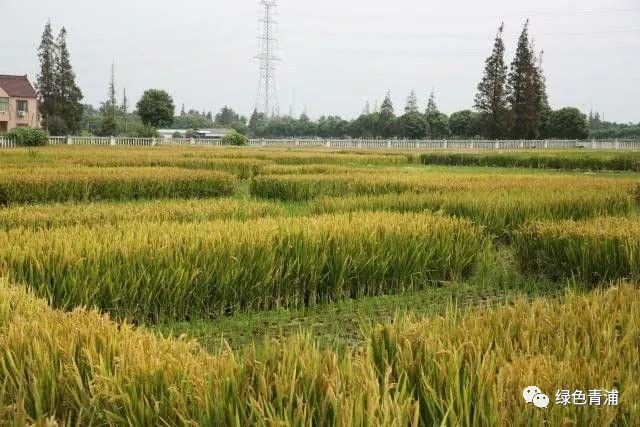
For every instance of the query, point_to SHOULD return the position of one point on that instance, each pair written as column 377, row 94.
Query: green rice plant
column 461, row 369
column 499, row 212
column 595, row 251
column 562, row 160
column 151, row 271
column 48, row 216
column 91, row 184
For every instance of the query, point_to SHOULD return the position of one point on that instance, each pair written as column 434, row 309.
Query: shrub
column 235, row 138
column 28, row 137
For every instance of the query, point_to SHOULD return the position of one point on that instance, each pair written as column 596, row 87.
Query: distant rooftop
column 17, row 86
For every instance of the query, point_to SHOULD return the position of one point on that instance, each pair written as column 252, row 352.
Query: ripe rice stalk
column 40, row 185
column 499, row 212
column 593, row 251
column 460, row 369
column 53, row 215
column 306, row 187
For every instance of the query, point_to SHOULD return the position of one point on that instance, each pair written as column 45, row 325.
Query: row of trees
column 509, row 103
column 60, row 96
column 601, row 128
column 413, row 124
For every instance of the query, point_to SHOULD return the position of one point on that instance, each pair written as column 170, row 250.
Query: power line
column 267, row 97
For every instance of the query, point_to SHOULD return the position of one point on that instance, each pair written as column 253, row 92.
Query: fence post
column 69, row 140
column 192, row 141
column 445, row 144
column 297, row 143
column 328, row 143
column 112, row 141
column 262, row 142
column 617, row 144
column 154, row 142
column 497, row 145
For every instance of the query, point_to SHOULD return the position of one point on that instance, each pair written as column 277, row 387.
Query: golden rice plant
column 499, row 212
column 36, row 185
column 52, row 215
column 471, row 369
column 158, row 271
column 307, row 187
column 80, row 368
column 593, row 251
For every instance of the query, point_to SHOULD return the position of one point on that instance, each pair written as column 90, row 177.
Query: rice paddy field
column 186, row 286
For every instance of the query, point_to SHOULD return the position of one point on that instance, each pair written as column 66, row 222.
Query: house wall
column 11, row 117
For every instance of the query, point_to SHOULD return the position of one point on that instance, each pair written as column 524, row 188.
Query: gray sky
column 336, row 55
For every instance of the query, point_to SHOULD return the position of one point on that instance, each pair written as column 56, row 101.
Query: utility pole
column 267, row 98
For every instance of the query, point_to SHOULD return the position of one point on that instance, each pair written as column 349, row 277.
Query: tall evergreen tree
column 437, row 122
column 68, row 94
column 491, row 98
column 254, row 121
column 110, row 122
column 386, row 109
column 432, row 108
column 542, row 99
column 412, row 103
column 523, row 90
column 46, row 81
column 386, row 118
column 125, row 108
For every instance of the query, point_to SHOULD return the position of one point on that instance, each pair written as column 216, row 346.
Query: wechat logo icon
column 533, row 395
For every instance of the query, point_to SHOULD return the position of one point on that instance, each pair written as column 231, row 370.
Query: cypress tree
column 491, row 98
column 254, row 121
column 68, row 94
column 432, row 108
column 386, row 109
column 542, row 100
column 125, row 108
column 46, row 80
column 110, row 123
column 523, row 90
column 412, row 103
column 386, row 119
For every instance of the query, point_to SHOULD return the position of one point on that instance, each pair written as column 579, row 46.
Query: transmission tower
column 267, row 98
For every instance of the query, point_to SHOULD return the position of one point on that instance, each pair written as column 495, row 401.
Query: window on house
column 22, row 105
column 4, row 104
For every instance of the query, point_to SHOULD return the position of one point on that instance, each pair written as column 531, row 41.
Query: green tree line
column 511, row 102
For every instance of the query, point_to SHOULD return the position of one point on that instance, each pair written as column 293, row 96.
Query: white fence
column 348, row 143
column 5, row 143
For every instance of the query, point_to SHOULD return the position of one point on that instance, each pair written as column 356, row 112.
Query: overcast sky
column 336, row 55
